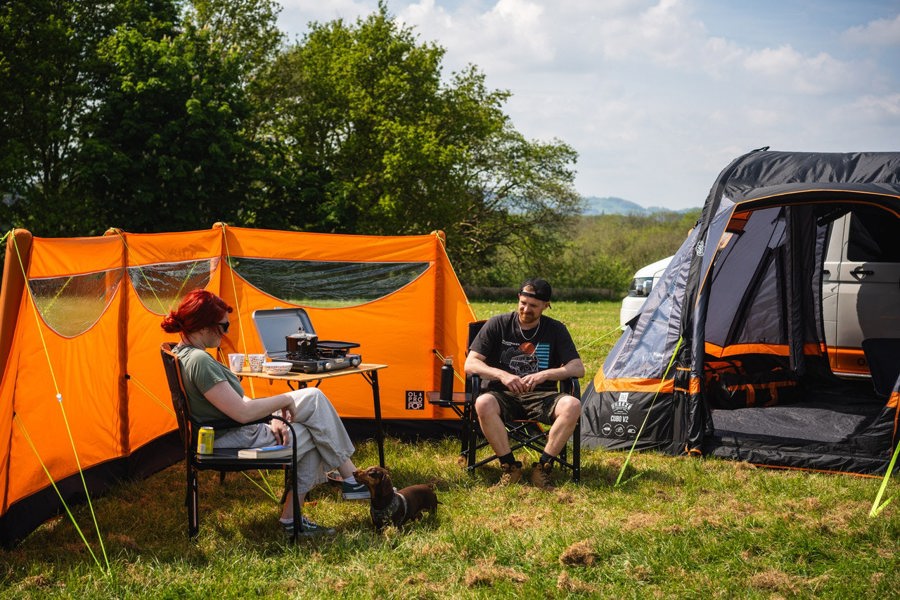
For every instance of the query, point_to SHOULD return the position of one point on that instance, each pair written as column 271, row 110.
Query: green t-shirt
column 201, row 372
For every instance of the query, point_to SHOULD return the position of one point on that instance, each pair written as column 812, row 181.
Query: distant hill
column 610, row 205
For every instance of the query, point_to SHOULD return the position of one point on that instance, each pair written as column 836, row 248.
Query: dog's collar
column 386, row 515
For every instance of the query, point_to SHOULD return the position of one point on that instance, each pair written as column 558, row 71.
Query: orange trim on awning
column 632, row 384
column 738, row 222
column 773, row 349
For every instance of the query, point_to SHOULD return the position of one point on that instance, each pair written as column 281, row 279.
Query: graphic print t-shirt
column 504, row 346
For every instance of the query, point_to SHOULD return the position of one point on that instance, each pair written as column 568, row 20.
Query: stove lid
column 274, row 325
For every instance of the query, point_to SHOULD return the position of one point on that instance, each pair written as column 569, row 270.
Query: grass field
column 678, row 528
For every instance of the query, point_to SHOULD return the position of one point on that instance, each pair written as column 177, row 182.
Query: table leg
column 372, row 378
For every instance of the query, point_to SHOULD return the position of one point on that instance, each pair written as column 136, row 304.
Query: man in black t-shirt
column 522, row 355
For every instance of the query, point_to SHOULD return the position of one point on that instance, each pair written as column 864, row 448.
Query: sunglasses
column 224, row 326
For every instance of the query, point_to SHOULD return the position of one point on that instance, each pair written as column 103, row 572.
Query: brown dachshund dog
column 391, row 506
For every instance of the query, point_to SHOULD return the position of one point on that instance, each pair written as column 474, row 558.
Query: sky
column 658, row 96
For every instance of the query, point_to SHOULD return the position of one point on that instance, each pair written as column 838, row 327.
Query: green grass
column 679, row 528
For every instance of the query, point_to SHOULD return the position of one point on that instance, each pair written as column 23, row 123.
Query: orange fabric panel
column 774, row 349
column 400, row 330
column 57, row 257
column 294, row 245
column 153, row 248
column 83, row 370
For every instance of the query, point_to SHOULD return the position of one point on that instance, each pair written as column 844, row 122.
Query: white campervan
column 643, row 282
column 860, row 287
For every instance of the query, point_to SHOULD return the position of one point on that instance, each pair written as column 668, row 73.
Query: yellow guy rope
column 150, row 394
column 237, row 304
column 58, row 493
column 59, row 400
column 440, row 357
column 876, row 507
column 649, row 409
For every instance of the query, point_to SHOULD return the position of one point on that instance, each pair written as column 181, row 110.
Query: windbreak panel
column 70, row 305
column 160, row 286
column 326, row 283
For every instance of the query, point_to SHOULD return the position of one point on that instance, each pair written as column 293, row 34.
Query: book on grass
column 265, row 452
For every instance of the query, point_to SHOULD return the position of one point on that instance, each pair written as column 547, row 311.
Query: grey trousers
column 322, row 441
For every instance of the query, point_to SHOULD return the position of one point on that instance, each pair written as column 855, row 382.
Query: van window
column 874, row 236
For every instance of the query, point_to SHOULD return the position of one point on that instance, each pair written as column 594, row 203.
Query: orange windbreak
column 108, row 372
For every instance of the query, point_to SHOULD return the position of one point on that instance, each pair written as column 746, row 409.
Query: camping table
column 369, row 372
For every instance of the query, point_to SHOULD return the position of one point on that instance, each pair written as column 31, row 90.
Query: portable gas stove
column 287, row 335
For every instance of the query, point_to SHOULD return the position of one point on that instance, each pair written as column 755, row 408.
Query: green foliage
column 600, row 252
column 682, row 528
column 369, row 140
column 166, row 148
column 48, row 69
column 171, row 115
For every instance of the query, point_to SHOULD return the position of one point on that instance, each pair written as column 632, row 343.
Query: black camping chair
column 224, row 459
column 522, row 434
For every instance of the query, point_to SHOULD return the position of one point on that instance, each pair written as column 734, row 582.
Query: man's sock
column 507, row 459
column 351, row 480
column 545, row 458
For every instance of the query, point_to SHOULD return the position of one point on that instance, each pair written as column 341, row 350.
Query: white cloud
column 877, row 107
column 883, row 32
column 817, row 74
column 682, row 85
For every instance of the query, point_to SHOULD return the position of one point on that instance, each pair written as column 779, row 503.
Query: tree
column 129, row 113
column 368, row 139
column 48, row 70
column 167, row 149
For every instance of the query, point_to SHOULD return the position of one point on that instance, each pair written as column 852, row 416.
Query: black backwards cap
column 542, row 289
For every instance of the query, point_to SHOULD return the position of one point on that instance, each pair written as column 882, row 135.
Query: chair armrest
column 291, row 429
column 230, row 424
column 473, row 388
column 571, row 386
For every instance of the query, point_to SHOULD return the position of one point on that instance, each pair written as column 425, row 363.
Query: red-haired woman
column 215, row 393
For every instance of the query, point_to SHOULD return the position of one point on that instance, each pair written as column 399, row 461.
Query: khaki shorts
column 530, row 406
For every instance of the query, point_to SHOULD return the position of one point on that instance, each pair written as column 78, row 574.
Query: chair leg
column 464, row 432
column 192, row 501
column 576, row 453
column 471, row 429
column 297, row 504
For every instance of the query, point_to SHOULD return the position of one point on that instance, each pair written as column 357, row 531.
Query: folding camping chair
column 528, row 434
column 222, row 459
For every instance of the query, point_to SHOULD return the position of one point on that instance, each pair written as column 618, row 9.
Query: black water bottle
column 447, row 380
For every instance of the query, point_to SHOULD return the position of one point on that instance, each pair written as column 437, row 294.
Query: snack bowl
column 277, row 368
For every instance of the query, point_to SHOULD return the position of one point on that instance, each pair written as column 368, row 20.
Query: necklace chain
column 522, row 333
